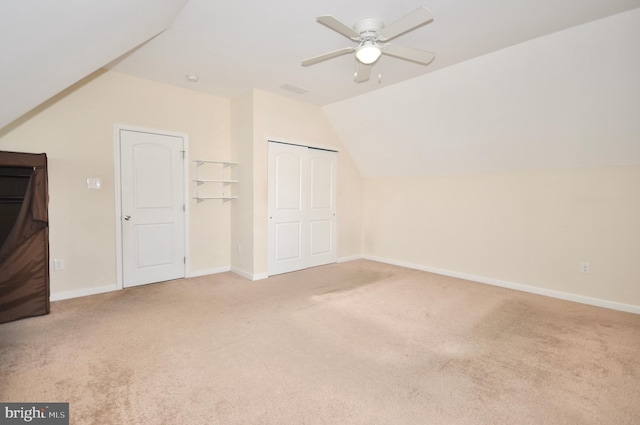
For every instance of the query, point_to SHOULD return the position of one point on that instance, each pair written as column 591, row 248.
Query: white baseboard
column 207, row 272
column 248, row 275
column 598, row 302
column 350, row 258
column 59, row 296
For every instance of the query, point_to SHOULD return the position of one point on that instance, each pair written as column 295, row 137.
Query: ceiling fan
column 372, row 37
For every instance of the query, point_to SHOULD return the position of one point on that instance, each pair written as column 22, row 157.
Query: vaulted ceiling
column 46, row 46
column 568, row 99
column 237, row 45
column 233, row 46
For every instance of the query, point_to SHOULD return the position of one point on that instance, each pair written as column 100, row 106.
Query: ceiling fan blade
column 418, row 17
column 330, row 55
column 409, row 53
column 339, row 27
column 363, row 72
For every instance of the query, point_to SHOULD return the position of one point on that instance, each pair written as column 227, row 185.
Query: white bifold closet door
column 302, row 207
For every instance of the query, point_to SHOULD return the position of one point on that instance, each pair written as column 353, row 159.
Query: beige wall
column 242, row 209
column 279, row 118
column 76, row 130
column 529, row 228
column 444, row 158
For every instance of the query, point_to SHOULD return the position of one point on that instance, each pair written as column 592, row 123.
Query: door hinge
column 184, row 260
column 183, row 154
column 184, row 207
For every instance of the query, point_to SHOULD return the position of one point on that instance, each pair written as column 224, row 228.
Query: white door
column 302, row 220
column 321, row 211
column 152, row 216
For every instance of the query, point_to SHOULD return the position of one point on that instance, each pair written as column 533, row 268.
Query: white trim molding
column 350, row 258
column 59, row 296
column 613, row 305
column 208, row 272
column 250, row 276
column 117, row 128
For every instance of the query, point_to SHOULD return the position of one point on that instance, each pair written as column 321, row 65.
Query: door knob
column 127, row 217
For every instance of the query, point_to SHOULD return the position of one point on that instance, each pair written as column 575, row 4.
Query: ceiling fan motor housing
column 368, row 28
column 368, row 51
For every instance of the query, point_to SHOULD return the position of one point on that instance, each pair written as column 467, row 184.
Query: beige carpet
column 352, row 343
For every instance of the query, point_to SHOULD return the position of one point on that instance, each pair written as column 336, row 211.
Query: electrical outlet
column 585, row 267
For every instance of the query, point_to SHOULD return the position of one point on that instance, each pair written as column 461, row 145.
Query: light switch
column 94, row 183
column 58, row 264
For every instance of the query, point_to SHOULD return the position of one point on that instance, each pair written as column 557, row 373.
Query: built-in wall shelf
column 217, row 175
column 199, row 162
column 204, row 198
column 203, row 181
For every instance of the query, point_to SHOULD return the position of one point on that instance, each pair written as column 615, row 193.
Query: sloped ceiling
column 569, row 99
column 234, row 46
column 465, row 112
column 46, row 46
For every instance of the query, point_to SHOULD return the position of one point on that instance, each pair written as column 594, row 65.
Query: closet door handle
column 127, row 217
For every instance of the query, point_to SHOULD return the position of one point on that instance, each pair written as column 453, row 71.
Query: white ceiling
column 568, row 99
column 234, row 46
column 46, row 46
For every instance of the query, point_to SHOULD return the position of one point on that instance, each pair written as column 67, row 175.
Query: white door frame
column 118, row 192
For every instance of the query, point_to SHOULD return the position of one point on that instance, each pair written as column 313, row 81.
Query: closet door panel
column 287, row 215
column 321, row 210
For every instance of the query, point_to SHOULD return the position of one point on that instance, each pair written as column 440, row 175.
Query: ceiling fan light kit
column 372, row 37
column 368, row 52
